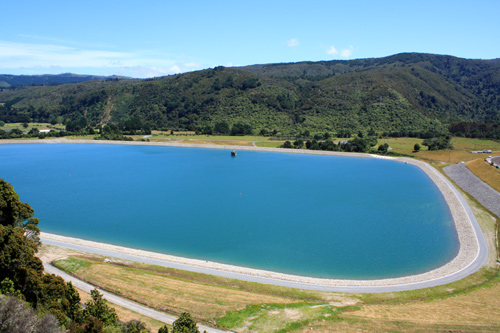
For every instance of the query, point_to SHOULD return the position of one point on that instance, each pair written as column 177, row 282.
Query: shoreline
column 471, row 256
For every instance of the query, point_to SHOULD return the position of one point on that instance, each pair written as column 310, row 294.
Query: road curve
column 161, row 316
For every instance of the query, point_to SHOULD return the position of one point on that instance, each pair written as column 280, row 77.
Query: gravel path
column 470, row 183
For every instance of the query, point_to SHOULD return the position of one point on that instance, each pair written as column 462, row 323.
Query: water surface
column 321, row 216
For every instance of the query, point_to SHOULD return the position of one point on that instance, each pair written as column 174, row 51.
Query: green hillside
column 404, row 92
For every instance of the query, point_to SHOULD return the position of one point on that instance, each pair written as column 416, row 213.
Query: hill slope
column 410, row 92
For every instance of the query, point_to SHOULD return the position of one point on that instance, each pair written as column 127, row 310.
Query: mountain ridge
column 402, row 92
column 10, row 80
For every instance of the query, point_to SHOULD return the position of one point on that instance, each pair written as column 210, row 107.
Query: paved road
column 161, row 316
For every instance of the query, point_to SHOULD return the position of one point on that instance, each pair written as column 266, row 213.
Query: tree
column 135, row 326
column 185, row 324
column 163, row 329
column 222, row 128
column 287, row 144
column 21, row 272
column 19, row 239
column 312, row 144
column 16, row 316
column 298, row 144
column 437, row 143
column 98, row 308
column 229, row 82
column 416, row 147
column 383, row 148
column 241, row 129
column 75, row 307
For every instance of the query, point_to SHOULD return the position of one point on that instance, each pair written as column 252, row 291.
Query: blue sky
column 155, row 38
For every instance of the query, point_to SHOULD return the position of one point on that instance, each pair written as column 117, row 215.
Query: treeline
column 223, row 128
column 358, row 144
column 33, row 301
column 362, row 144
column 33, row 133
column 475, row 130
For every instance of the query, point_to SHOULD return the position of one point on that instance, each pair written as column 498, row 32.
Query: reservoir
column 319, row 216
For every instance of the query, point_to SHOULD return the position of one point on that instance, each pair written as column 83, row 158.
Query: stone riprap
column 470, row 183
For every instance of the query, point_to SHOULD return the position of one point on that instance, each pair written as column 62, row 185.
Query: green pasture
column 20, row 126
column 191, row 135
column 469, row 144
column 406, row 145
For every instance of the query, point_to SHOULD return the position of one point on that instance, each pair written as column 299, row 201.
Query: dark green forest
column 403, row 93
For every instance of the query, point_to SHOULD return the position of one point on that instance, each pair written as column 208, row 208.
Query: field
column 11, row 126
column 459, row 153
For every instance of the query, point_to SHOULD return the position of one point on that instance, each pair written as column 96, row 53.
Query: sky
column 151, row 38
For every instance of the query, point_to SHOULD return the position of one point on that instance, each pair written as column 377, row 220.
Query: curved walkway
column 136, row 307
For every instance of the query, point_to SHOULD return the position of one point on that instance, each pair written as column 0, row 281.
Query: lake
column 318, row 216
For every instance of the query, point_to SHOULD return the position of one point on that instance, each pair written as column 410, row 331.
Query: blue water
column 321, row 216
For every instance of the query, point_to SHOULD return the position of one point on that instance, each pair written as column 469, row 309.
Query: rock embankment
column 470, row 183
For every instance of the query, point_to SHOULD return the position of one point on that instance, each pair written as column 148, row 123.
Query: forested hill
column 7, row 80
column 409, row 92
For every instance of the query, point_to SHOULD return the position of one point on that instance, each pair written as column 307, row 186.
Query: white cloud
column 47, row 58
column 13, row 55
column 140, row 71
column 191, row 66
column 293, row 42
column 332, row 50
column 346, row 53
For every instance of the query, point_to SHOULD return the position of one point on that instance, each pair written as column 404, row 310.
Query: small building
column 45, row 130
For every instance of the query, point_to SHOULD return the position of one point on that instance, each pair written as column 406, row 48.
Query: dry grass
column 162, row 292
column 447, row 156
column 459, row 153
column 480, row 308
column 485, row 172
column 382, row 325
